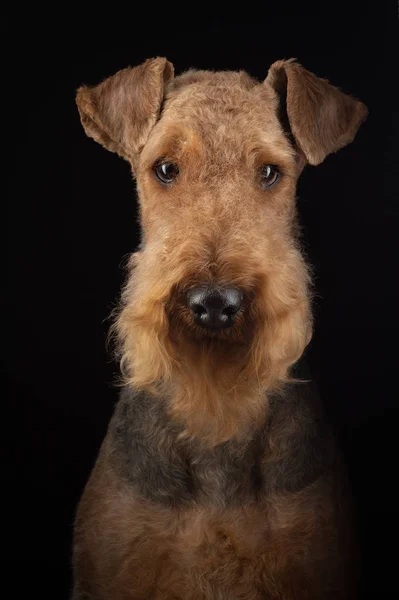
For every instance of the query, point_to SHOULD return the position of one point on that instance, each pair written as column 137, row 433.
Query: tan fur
column 214, row 224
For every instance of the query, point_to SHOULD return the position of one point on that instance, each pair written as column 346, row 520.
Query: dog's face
column 216, row 182
column 219, row 291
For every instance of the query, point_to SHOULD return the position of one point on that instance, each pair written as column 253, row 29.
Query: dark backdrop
column 72, row 220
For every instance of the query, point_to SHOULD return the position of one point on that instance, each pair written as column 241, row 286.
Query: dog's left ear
column 120, row 112
column 322, row 119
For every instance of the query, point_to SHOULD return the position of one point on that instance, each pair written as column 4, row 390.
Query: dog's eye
column 166, row 172
column 269, row 175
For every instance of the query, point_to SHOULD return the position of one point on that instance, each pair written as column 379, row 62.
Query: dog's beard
column 215, row 381
column 215, row 386
column 213, row 392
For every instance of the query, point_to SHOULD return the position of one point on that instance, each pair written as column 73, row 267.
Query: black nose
column 214, row 308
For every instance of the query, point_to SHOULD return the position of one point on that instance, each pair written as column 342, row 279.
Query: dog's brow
column 171, row 143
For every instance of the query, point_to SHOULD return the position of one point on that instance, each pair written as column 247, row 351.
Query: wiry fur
column 214, row 480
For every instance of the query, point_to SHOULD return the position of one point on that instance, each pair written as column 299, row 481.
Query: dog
column 219, row 477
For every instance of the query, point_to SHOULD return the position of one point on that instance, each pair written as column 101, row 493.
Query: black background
column 72, row 221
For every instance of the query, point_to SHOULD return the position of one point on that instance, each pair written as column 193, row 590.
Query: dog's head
column 217, row 304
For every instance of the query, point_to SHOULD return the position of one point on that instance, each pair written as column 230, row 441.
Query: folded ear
column 120, row 112
column 322, row 119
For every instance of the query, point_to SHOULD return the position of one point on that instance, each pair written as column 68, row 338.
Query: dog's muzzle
column 214, row 307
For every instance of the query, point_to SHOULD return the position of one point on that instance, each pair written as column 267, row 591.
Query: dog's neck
column 289, row 448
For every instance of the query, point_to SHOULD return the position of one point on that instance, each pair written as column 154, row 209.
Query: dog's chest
column 226, row 475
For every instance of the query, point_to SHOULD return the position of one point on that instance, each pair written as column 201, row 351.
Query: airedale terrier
column 218, row 477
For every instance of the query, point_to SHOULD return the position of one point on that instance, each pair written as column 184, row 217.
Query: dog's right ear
column 322, row 119
column 120, row 112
